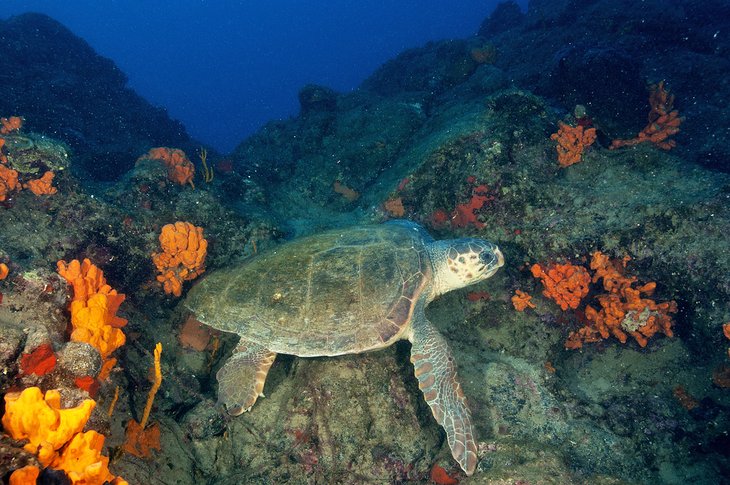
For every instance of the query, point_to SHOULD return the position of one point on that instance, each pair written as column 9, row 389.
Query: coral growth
column 521, row 301
column 29, row 415
column 25, row 476
column 624, row 309
column 10, row 172
column 441, row 477
column 8, row 181
column 184, row 249
column 346, row 192
column 83, row 462
column 684, row 398
column 475, row 296
column 88, row 384
column 43, row 185
column 40, row 361
column 466, row 213
column 8, row 125
column 140, row 441
column 93, row 310
column 664, row 121
column 179, row 167
column 394, row 207
column 194, row 335
column 572, row 141
column 55, row 436
column 721, row 377
column 566, row 284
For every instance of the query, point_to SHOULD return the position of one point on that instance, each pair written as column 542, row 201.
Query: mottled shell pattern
column 338, row 292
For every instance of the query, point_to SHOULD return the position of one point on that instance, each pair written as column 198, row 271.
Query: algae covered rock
column 317, row 98
column 12, row 340
column 66, row 90
column 79, row 359
column 330, row 418
column 35, row 154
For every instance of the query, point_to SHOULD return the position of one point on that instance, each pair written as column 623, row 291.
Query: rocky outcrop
column 67, row 91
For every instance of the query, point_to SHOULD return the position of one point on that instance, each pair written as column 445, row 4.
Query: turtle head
column 462, row 262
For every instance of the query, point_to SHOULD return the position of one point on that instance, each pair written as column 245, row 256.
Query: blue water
column 226, row 68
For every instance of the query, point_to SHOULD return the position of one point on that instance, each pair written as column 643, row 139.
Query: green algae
column 32, row 154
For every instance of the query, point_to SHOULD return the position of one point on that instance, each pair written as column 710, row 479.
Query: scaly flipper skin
column 241, row 379
column 436, row 372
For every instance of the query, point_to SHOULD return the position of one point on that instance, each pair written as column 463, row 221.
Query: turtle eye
column 496, row 257
column 487, row 257
column 492, row 256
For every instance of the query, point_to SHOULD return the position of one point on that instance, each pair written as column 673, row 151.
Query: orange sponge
column 24, row 476
column 567, row 284
column 39, row 419
column 8, row 125
column 184, row 249
column 571, row 142
column 93, row 310
column 82, row 460
column 179, row 167
column 8, row 181
column 43, row 185
column 54, row 434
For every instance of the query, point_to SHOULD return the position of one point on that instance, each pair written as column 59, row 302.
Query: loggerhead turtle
column 345, row 292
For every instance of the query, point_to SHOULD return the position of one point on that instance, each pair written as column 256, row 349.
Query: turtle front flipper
column 241, row 379
column 436, row 373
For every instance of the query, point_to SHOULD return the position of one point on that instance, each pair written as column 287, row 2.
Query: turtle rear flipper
column 436, row 373
column 241, row 379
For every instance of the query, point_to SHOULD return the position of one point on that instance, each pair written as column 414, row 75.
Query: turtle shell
column 338, row 292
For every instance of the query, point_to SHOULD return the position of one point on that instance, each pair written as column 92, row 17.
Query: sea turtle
column 345, row 292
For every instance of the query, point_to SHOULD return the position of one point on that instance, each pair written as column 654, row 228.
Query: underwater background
column 587, row 139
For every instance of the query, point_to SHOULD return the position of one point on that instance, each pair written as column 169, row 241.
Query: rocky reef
column 467, row 137
column 84, row 102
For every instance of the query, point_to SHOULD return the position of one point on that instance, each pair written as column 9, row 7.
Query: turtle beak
column 500, row 257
